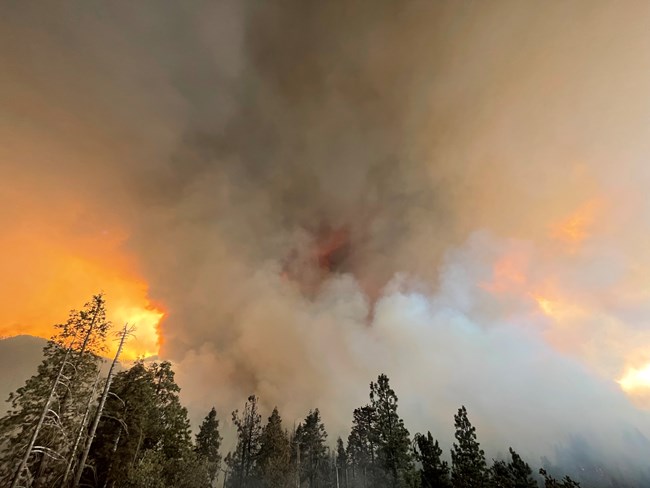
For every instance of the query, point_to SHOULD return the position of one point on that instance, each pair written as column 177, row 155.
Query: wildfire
column 52, row 262
column 327, row 254
column 145, row 340
column 508, row 274
column 636, row 379
column 576, row 228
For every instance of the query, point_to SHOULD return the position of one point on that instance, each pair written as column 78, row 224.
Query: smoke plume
column 452, row 193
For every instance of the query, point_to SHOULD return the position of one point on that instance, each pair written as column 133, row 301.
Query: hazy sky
column 481, row 168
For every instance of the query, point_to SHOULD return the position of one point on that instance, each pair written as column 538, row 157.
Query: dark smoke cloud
column 227, row 135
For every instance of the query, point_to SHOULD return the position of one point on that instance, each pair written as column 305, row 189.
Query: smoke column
column 315, row 192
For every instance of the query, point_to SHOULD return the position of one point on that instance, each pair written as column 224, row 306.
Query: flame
column 145, row 340
column 53, row 260
column 635, row 380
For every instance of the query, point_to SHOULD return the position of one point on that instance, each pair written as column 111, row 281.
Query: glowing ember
column 327, row 254
column 332, row 249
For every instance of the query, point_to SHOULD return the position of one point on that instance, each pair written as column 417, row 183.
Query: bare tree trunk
column 84, row 344
column 82, row 427
column 88, row 334
column 137, row 448
column 41, row 419
column 113, row 451
column 100, row 408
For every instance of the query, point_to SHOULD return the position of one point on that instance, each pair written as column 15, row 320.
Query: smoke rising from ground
column 488, row 161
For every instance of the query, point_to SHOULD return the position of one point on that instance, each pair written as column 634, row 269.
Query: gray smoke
column 225, row 136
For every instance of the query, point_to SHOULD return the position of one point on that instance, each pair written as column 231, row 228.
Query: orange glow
column 576, row 228
column 636, row 379
column 555, row 308
column 53, row 260
column 144, row 341
column 547, row 306
column 508, row 274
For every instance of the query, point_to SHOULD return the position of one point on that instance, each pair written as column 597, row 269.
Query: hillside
column 19, row 357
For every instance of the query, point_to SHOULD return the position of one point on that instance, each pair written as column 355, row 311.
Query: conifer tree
column 208, row 441
column 125, row 425
column 522, row 475
column 468, row 468
column 434, row 472
column 242, row 462
column 500, row 476
column 310, row 438
column 551, row 482
column 341, row 464
column 390, row 434
column 514, row 474
column 274, row 459
column 60, row 389
column 143, row 413
column 361, row 450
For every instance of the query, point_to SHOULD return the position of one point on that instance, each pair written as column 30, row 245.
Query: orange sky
column 52, row 264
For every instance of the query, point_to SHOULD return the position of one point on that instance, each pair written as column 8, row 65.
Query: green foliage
column 522, row 475
column 310, row 439
column 154, row 470
column 143, row 438
column 242, row 462
column 515, row 474
column 274, row 459
column 379, row 447
column 341, row 463
column 76, row 341
column 468, row 468
column 434, row 472
column 143, row 414
column 361, row 450
column 391, row 437
column 208, row 441
column 550, row 482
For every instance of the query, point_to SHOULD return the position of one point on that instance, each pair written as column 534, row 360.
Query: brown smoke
column 473, row 173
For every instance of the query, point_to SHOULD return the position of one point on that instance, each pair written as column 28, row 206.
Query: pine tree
column 100, row 409
column 208, row 441
column 169, row 424
column 310, row 439
column 468, row 468
column 550, row 482
column 500, row 476
column 125, row 424
column 434, row 472
column 341, row 464
column 274, row 459
column 522, row 475
column 60, row 390
column 514, row 474
column 143, row 413
column 361, row 450
column 390, row 434
column 242, row 462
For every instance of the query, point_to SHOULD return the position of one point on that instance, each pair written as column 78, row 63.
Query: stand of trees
column 69, row 426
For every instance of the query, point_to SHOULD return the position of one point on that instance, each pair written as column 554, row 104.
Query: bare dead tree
column 82, row 428
column 41, row 420
column 91, row 435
